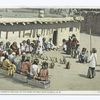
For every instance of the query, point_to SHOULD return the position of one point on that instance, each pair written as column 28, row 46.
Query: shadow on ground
column 97, row 70
column 84, row 76
column 98, row 65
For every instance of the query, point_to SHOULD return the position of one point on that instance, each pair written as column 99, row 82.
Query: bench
column 20, row 78
column 37, row 83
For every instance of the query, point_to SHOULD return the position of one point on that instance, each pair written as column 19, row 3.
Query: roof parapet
column 40, row 20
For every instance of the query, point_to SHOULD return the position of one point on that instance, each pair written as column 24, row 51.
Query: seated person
column 1, row 46
column 34, row 68
column 15, row 48
column 17, row 62
column 43, row 74
column 28, row 48
column 25, row 66
column 23, row 46
column 64, row 45
column 11, row 56
column 7, row 46
column 1, row 59
column 9, row 66
column 50, row 45
column 1, row 52
column 83, row 55
column 44, row 44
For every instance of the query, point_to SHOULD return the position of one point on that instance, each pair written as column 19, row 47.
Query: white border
column 49, row 92
column 50, row 4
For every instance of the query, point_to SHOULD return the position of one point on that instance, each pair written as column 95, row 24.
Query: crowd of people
column 72, row 47
column 10, row 60
column 26, row 46
column 9, row 53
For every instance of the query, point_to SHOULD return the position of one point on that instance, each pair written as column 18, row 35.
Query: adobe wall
column 19, row 32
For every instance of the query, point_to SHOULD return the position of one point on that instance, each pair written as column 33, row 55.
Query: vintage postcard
column 49, row 50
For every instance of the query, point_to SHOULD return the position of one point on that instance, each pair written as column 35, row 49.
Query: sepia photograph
column 49, row 50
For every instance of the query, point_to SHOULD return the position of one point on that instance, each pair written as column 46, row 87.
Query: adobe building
column 18, row 29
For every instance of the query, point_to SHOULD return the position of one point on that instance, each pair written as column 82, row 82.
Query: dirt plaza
column 63, row 79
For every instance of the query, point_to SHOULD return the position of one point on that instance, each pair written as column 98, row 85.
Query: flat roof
column 28, row 20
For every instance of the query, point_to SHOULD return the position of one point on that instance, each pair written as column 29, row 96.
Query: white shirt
column 11, row 57
column 23, row 47
column 93, row 60
column 65, row 46
column 28, row 48
column 33, row 70
column 40, row 40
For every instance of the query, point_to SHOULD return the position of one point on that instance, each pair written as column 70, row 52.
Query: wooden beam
column 24, row 23
column 4, row 23
column 12, row 24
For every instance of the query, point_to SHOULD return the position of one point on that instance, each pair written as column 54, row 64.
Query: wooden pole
column 23, row 33
column 30, row 33
column 90, row 40
column 0, row 34
column 6, row 35
column 19, row 33
column 33, row 33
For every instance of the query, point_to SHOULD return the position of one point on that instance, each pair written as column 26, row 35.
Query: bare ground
column 62, row 79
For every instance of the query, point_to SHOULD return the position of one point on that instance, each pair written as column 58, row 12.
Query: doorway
column 55, row 35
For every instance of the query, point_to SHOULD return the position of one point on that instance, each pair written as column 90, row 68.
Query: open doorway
column 55, row 35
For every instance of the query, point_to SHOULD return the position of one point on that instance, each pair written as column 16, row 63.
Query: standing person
column 68, row 46
column 92, row 63
column 73, row 46
column 40, row 39
column 40, row 44
column 77, row 51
